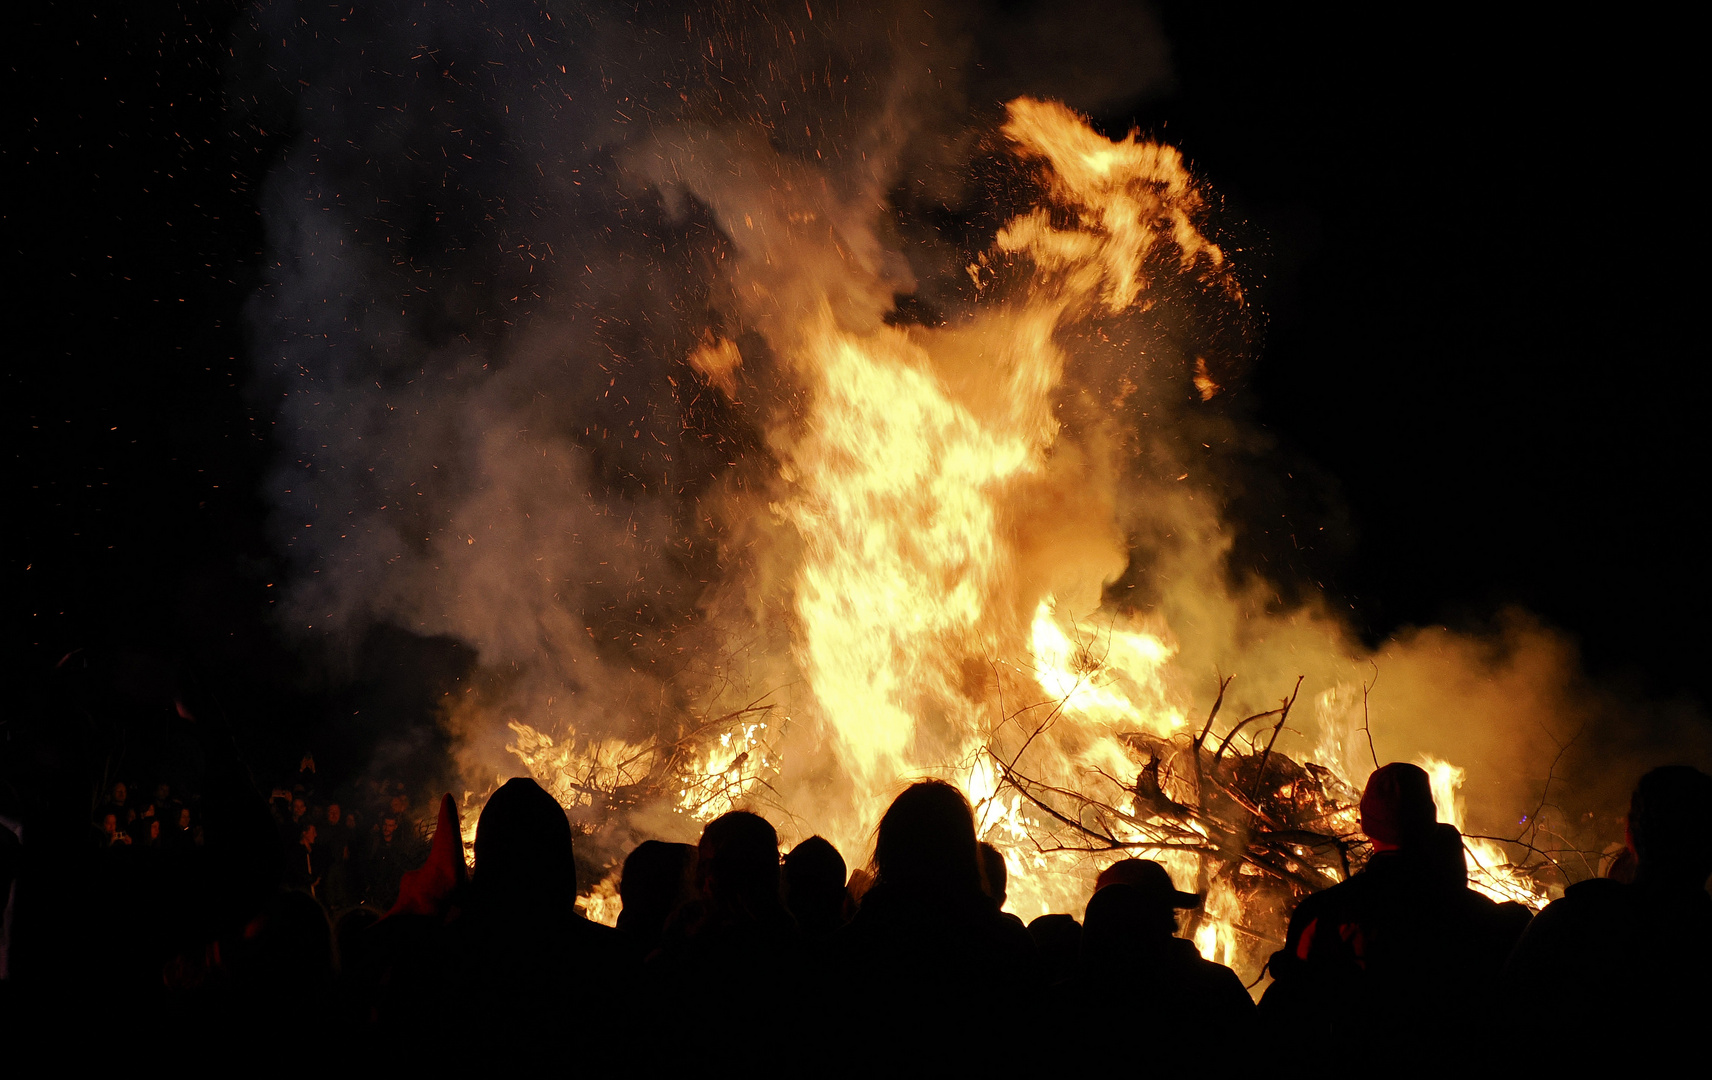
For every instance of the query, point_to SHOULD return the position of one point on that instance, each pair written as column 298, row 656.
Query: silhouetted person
column 304, row 861
column 928, row 945
column 119, row 805
column 657, row 879
column 112, row 835
column 333, row 849
column 261, row 987
column 737, row 936
column 520, row 955
column 350, row 932
column 1059, row 940
column 1403, row 953
column 1132, row 963
column 399, row 968
column 738, row 923
column 1619, row 972
column 814, row 887
column 388, row 859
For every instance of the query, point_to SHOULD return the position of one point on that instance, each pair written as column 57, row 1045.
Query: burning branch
column 1283, row 715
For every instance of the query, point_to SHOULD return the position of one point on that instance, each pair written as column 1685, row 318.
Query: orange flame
column 930, row 639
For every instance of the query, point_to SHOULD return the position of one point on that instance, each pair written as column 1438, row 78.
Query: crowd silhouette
column 730, row 954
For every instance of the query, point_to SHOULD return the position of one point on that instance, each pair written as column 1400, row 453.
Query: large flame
column 928, row 637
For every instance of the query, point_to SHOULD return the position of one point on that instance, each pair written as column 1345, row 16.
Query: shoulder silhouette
column 1630, row 959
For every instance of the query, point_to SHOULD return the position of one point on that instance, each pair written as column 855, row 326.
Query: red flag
column 428, row 890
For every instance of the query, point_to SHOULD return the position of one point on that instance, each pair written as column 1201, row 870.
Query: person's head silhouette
column 737, row 867
column 814, row 884
column 926, row 843
column 523, row 848
column 1670, row 826
column 1145, row 906
column 657, row 878
column 1397, row 809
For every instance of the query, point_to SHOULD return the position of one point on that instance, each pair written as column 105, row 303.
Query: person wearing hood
column 493, row 968
column 520, row 938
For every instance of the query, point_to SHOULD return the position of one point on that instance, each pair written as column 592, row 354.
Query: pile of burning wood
column 1266, row 829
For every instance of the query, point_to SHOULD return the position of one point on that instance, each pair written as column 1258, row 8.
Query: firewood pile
column 1267, row 830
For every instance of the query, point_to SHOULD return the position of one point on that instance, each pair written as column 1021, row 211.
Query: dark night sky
column 1480, row 248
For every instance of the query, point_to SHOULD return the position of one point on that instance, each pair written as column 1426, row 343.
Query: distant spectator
column 181, row 835
column 163, row 805
column 388, row 859
column 302, row 862
column 119, row 805
column 111, row 834
column 333, row 849
column 306, row 778
column 334, row 832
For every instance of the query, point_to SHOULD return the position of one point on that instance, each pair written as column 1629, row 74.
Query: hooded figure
column 519, row 955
